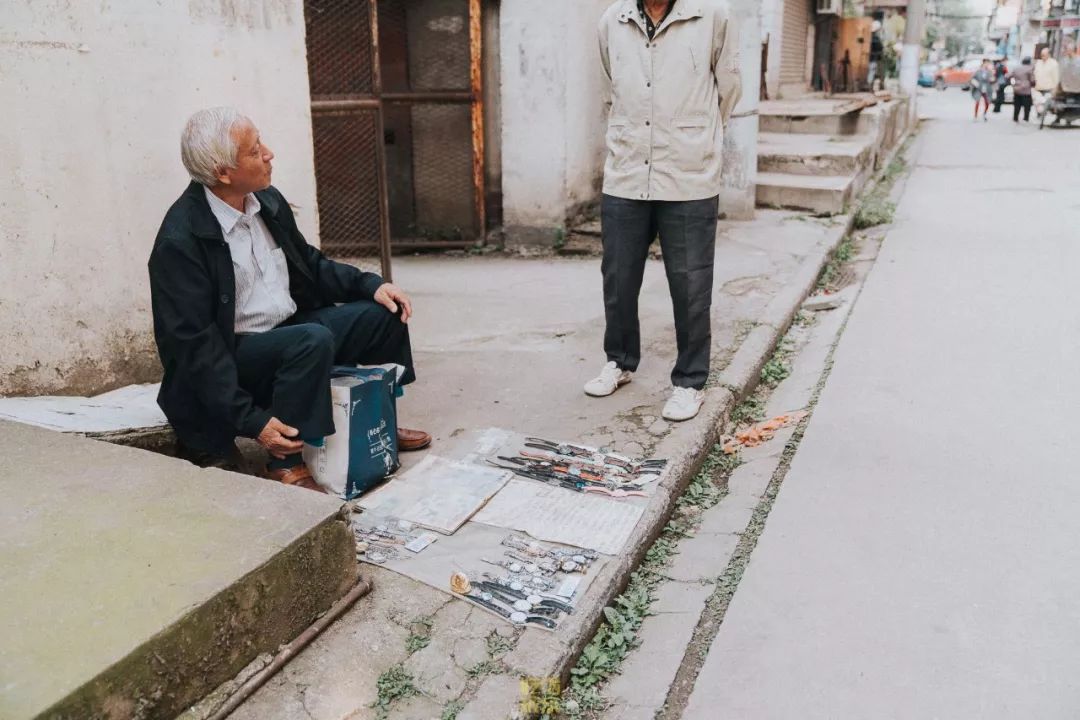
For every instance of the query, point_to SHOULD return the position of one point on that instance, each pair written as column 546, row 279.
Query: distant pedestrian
column 1023, row 80
column 1001, row 74
column 982, row 86
column 1047, row 77
column 877, row 50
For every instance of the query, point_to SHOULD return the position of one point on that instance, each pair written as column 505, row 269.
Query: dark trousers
column 1024, row 102
column 687, row 231
column 999, row 98
column 287, row 369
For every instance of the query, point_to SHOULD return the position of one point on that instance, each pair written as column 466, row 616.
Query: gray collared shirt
column 262, row 275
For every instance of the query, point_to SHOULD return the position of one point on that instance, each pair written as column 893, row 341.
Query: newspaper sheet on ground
column 563, row 516
column 437, row 494
column 466, row 551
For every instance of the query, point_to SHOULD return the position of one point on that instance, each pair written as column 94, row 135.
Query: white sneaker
column 610, row 379
column 684, row 404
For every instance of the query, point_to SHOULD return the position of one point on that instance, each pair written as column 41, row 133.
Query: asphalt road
column 923, row 557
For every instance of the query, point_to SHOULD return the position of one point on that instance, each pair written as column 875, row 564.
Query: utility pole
column 910, row 55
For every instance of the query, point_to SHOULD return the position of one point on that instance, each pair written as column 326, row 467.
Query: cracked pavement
column 508, row 342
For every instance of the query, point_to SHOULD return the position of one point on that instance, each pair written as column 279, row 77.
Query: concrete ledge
column 823, row 194
column 803, row 154
column 134, row 584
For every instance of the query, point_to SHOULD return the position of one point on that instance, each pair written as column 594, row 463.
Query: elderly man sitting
column 249, row 318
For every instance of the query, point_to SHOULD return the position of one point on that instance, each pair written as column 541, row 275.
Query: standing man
column 1023, row 80
column 1047, row 77
column 674, row 83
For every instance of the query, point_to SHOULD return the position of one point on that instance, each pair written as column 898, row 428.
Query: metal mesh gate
column 397, row 116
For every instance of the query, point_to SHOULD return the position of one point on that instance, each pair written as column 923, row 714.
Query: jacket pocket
column 691, row 143
column 617, row 143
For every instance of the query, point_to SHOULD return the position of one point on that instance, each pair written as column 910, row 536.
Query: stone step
column 815, row 116
column 805, row 154
column 826, row 194
column 133, row 583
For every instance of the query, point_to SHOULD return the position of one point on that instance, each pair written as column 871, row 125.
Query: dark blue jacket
column 192, row 290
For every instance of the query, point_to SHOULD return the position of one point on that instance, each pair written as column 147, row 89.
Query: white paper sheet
column 132, row 407
column 438, row 494
column 563, row 516
column 462, row 552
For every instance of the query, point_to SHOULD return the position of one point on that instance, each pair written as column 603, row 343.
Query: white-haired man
column 249, row 318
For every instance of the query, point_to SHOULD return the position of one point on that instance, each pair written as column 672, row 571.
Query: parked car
column 927, row 74
column 958, row 75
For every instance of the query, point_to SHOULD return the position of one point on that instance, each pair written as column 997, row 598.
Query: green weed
column 485, row 668
column 750, row 410
column 393, row 685
column 498, row 645
column 875, row 210
column 419, row 634
column 777, row 369
column 450, row 712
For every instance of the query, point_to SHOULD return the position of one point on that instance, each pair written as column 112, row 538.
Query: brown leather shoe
column 298, row 476
column 412, row 439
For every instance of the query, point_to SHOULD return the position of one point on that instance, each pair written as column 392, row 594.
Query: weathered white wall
column 586, row 108
column 739, row 189
column 94, row 96
column 552, row 112
column 772, row 23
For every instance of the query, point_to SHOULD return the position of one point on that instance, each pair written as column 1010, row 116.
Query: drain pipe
column 288, row 652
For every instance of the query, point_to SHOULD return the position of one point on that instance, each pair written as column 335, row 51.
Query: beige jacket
column 1047, row 74
column 670, row 99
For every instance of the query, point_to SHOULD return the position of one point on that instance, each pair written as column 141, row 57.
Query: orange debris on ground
column 758, row 433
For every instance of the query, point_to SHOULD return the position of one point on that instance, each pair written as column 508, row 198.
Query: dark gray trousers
column 687, row 231
column 287, row 369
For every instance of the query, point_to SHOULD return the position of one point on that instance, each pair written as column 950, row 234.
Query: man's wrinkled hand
column 390, row 296
column 276, row 437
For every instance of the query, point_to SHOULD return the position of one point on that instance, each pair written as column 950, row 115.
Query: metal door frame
column 377, row 99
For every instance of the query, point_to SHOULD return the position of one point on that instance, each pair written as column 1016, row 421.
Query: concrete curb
column 543, row 654
column 741, row 375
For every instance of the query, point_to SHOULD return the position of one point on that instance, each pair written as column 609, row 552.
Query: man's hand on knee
column 390, row 296
column 276, row 438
